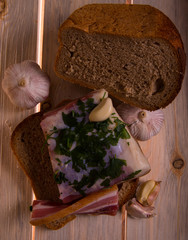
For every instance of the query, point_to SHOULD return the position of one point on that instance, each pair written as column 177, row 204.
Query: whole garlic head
column 26, row 84
column 142, row 124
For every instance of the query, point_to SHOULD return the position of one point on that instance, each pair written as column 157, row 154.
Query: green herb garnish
column 48, row 136
column 91, row 141
column 103, row 96
column 132, row 175
column 60, row 177
column 106, row 182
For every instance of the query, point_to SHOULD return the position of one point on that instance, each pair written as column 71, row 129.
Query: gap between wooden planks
column 40, row 32
column 39, row 51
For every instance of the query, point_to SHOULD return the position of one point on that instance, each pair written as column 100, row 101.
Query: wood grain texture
column 17, row 42
column 18, row 34
column 84, row 227
column 162, row 150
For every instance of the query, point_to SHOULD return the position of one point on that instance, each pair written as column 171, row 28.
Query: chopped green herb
column 120, row 130
column 132, row 175
column 90, row 105
column 69, row 119
column 114, row 169
column 81, row 105
column 68, row 161
column 49, row 136
column 60, row 177
column 103, row 96
column 57, row 159
column 54, row 129
column 106, row 183
column 92, row 140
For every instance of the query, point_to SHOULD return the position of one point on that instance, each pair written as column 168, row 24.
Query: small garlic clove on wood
column 26, row 84
column 142, row 124
column 136, row 210
column 147, row 192
column 154, row 194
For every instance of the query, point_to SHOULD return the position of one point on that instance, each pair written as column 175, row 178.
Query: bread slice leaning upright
column 133, row 51
column 28, row 145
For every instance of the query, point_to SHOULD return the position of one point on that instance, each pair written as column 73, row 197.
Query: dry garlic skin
column 142, row 124
column 26, row 84
column 147, row 192
column 136, row 210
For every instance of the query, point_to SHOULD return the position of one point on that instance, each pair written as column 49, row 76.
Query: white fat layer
column 97, row 207
column 112, row 202
column 131, row 153
column 106, row 196
column 40, row 206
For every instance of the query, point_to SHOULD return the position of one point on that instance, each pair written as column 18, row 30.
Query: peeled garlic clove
column 147, row 192
column 26, row 84
column 142, row 124
column 102, row 111
column 136, row 210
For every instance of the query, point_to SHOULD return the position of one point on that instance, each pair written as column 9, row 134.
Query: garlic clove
column 136, row 210
column 154, row 194
column 142, row 124
column 102, row 111
column 147, row 192
column 26, row 84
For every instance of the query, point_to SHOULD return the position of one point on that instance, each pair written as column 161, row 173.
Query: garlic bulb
column 136, row 210
column 26, row 84
column 142, row 124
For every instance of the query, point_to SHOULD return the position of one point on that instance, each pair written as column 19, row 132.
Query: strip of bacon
column 102, row 202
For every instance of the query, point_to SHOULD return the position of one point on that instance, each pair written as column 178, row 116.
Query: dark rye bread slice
column 133, row 51
column 127, row 191
column 29, row 146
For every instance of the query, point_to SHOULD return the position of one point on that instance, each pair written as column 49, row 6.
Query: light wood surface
column 171, row 144
column 18, row 31
column 18, row 41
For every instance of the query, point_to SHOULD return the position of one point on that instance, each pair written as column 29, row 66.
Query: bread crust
column 34, row 158
column 127, row 191
column 35, row 161
column 114, row 19
column 74, row 207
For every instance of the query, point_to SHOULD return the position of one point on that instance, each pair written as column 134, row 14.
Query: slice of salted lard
column 88, row 156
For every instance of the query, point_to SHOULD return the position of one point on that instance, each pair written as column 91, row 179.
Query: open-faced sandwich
column 91, row 152
column 78, row 155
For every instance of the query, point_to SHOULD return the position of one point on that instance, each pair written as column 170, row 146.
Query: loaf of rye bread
column 29, row 146
column 133, row 51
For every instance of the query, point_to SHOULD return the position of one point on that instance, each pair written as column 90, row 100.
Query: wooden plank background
column 18, row 41
column 171, row 144
column 18, row 34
